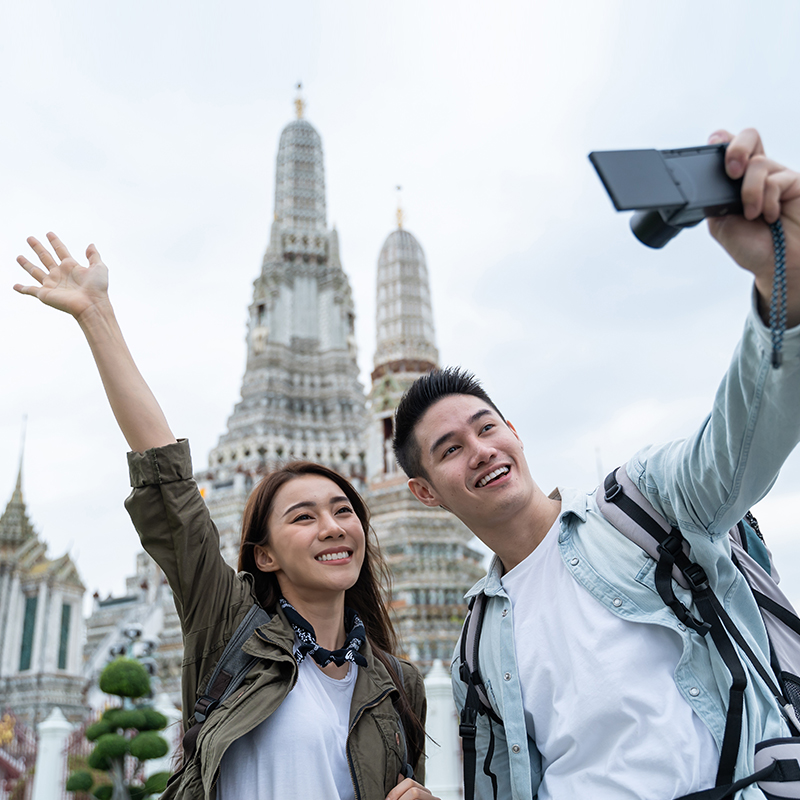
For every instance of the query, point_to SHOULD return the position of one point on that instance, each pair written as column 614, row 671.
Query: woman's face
column 316, row 542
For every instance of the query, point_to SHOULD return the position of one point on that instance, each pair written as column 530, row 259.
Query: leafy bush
column 125, row 677
column 130, row 718
column 122, row 735
column 154, row 720
column 148, row 745
column 80, row 781
column 109, row 746
column 157, row 782
column 94, row 732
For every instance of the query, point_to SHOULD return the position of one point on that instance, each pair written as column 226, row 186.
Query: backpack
column 777, row 761
column 231, row 670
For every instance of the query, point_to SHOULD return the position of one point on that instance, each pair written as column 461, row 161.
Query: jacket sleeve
column 415, row 691
column 175, row 528
column 708, row 481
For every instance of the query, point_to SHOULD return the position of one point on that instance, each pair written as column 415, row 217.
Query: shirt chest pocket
column 651, row 600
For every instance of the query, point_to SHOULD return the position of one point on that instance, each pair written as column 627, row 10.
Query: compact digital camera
column 668, row 189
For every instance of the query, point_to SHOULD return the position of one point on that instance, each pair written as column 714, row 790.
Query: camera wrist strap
column 777, row 305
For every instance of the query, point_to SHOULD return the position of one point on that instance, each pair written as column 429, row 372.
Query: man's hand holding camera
column 770, row 192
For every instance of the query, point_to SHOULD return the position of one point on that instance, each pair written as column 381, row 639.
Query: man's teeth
column 492, row 475
column 334, row 556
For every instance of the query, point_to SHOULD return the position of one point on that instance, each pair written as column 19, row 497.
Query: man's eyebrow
column 309, row 504
column 442, row 439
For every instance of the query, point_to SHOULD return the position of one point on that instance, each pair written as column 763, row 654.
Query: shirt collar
column 573, row 503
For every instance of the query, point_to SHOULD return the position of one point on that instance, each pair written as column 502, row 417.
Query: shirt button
column 515, row 748
column 507, row 676
column 505, row 612
column 694, row 691
column 617, row 602
column 575, row 562
column 681, row 626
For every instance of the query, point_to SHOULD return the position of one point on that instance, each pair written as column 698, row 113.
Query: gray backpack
column 777, row 761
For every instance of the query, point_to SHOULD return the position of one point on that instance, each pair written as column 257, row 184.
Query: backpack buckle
column 697, row 578
column 204, row 706
column 468, row 727
column 612, row 490
column 672, row 545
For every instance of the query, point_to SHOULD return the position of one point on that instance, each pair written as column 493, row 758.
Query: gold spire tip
column 399, row 208
column 299, row 103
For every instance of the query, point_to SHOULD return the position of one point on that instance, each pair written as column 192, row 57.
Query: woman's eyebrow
column 310, row 504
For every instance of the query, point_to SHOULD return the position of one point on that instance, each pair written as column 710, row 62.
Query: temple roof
column 404, row 319
column 300, row 178
column 20, row 546
column 15, row 527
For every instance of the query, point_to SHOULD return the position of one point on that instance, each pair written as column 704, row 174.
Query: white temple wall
column 281, row 318
column 13, row 635
column 5, row 596
column 304, row 308
column 51, row 631
column 74, row 648
column 38, row 630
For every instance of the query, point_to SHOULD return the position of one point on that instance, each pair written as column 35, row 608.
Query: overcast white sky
column 152, row 129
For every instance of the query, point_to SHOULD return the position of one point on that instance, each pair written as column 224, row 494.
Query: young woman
column 324, row 714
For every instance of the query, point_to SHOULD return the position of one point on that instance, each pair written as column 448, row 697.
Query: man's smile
column 493, row 475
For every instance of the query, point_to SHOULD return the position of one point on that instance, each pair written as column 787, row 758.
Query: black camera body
column 669, row 189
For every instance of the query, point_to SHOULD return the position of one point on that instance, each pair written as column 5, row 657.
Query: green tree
column 125, row 737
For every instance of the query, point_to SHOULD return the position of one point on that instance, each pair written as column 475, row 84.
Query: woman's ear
column 265, row 561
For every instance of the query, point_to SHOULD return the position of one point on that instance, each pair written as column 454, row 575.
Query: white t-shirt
column 300, row 750
column 599, row 694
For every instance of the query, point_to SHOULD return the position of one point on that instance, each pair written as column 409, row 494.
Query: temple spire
column 406, row 341
column 299, row 103
column 15, row 527
column 399, row 208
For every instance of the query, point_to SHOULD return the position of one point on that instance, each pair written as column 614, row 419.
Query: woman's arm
column 83, row 292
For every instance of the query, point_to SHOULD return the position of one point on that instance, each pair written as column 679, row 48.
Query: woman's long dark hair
column 368, row 596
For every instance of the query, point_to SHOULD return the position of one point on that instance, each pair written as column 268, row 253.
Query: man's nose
column 481, row 453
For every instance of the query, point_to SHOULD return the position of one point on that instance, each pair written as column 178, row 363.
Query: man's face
column 474, row 461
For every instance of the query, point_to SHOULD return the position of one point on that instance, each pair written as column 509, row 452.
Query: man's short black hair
column 419, row 397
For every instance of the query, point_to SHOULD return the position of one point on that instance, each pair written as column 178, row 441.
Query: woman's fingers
column 44, row 254
column 93, row 255
column 58, row 246
column 37, row 273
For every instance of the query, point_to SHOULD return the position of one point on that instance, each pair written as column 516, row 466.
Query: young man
column 603, row 693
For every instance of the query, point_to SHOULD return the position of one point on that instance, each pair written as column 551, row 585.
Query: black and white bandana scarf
column 355, row 637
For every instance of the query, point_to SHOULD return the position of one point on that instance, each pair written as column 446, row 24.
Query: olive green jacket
column 211, row 599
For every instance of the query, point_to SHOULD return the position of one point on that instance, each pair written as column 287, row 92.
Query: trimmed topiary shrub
column 125, row 677
column 148, row 745
column 153, row 720
column 125, row 738
column 157, row 782
column 80, row 781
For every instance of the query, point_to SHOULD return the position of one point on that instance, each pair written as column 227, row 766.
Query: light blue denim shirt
column 704, row 484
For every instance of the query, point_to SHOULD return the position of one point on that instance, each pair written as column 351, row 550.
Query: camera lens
column 650, row 229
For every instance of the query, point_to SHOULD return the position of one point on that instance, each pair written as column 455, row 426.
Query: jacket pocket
column 391, row 740
column 185, row 784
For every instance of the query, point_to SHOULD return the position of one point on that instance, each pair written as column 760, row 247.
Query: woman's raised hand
column 62, row 282
column 83, row 292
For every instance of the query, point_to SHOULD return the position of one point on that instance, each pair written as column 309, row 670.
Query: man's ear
column 514, row 431
column 264, row 559
column 424, row 492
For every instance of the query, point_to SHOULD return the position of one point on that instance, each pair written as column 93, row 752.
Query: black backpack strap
column 228, row 675
column 714, row 620
column 476, row 701
column 408, row 770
